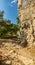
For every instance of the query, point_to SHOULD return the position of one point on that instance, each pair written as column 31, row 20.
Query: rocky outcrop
column 26, row 13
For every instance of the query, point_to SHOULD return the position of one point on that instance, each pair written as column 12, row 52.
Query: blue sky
column 11, row 11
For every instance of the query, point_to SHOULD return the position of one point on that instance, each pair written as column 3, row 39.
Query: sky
column 10, row 9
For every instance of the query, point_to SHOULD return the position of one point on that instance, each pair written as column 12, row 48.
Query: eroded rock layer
column 26, row 12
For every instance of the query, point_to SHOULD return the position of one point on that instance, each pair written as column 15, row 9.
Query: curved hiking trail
column 14, row 54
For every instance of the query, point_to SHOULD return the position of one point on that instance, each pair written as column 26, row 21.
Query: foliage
column 7, row 29
column 18, row 21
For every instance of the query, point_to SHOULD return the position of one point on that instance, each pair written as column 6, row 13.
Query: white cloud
column 14, row 1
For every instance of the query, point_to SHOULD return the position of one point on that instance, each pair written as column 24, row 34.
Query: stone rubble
column 14, row 54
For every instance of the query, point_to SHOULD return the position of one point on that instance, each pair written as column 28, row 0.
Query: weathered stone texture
column 26, row 12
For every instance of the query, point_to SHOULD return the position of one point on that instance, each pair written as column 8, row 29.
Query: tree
column 7, row 29
column 1, row 15
column 8, row 21
column 17, row 20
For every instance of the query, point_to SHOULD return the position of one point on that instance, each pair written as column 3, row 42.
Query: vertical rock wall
column 26, row 12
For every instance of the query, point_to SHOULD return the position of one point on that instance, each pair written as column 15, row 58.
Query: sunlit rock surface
column 26, row 12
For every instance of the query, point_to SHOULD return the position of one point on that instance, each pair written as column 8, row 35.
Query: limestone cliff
column 26, row 13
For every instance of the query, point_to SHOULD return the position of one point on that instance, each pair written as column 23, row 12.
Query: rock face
column 26, row 12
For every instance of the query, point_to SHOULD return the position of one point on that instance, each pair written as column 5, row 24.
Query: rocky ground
column 12, row 53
